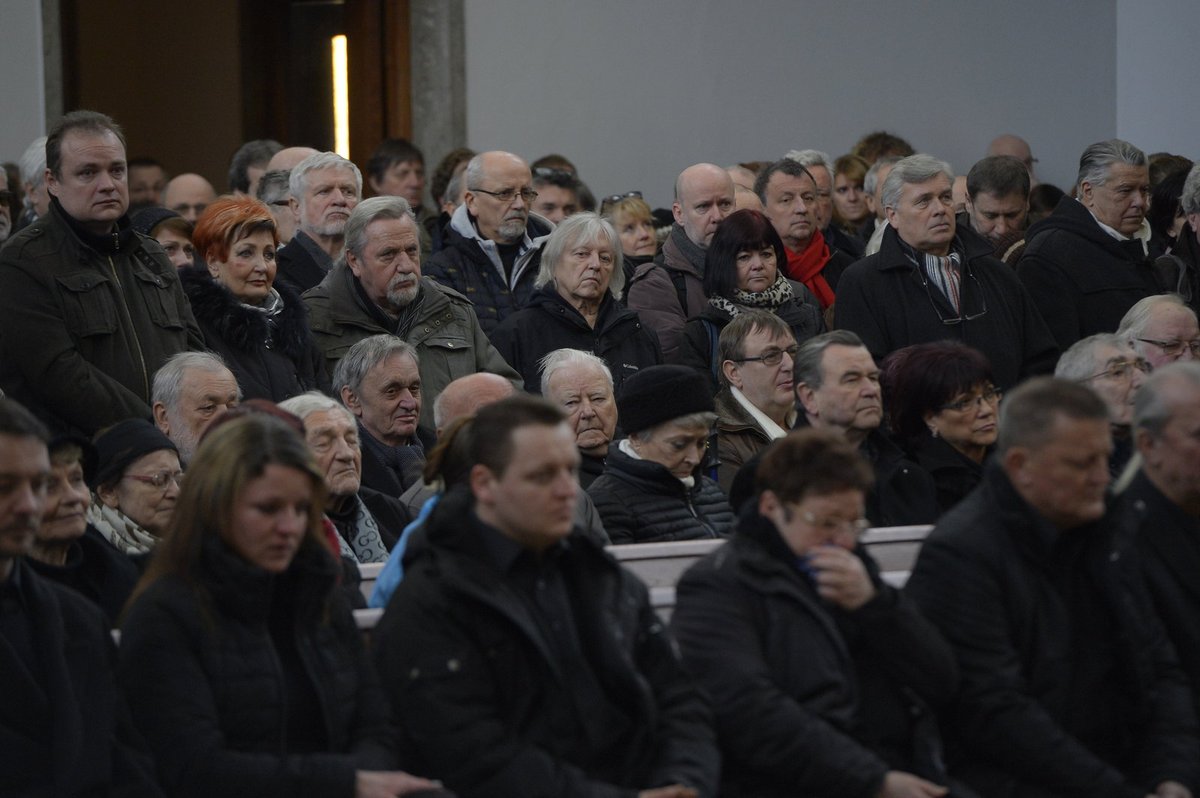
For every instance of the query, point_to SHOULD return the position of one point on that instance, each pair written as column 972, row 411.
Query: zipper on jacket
column 132, row 330
column 687, row 497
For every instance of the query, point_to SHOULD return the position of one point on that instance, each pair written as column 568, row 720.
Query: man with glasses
column 932, row 280
column 823, row 679
column 1109, row 366
column 1069, row 684
column 1162, row 329
column 1091, row 259
column 491, row 252
column 756, row 402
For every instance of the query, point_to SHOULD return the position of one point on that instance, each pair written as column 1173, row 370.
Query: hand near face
column 841, row 577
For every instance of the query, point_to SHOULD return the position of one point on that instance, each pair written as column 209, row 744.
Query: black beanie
column 121, row 444
column 147, row 219
column 658, row 394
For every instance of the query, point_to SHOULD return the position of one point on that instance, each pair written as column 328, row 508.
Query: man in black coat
column 1162, row 504
column 64, row 731
column 1069, row 684
column 1087, row 262
column 823, row 678
column 931, row 281
column 323, row 190
column 519, row 657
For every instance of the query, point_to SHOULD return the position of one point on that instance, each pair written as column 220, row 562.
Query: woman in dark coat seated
column 742, row 272
column 652, row 488
column 576, row 306
column 944, row 408
column 259, row 326
column 239, row 657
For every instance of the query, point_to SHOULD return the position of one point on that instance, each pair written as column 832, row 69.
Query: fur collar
column 242, row 327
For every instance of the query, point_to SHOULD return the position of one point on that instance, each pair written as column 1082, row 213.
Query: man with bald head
column 188, row 195
column 670, row 290
column 289, row 157
column 491, row 253
column 1016, row 147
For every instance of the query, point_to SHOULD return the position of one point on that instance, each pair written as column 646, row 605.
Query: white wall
column 633, row 91
column 22, row 100
column 1158, row 63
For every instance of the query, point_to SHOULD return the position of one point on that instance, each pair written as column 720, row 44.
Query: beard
column 511, row 229
column 403, row 290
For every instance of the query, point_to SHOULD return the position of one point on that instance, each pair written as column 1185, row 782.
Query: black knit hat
column 147, row 219
column 657, row 394
column 121, row 444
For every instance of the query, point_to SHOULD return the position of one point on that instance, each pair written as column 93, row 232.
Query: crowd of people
column 218, row 407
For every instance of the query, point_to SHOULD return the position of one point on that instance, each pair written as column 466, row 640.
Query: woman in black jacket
column 257, row 324
column 239, row 657
column 576, row 306
column 743, row 271
column 652, row 488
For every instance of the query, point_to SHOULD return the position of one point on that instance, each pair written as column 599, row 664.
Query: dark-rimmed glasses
column 509, row 194
column 1174, row 348
column 771, row 357
column 990, row 396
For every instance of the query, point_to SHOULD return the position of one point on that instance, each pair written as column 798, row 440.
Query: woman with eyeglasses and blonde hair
column 944, row 407
column 239, row 657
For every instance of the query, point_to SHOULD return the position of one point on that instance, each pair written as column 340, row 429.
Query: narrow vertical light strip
column 341, row 98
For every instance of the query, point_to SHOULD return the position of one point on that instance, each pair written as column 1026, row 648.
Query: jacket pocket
column 88, row 305
column 453, row 352
column 158, row 299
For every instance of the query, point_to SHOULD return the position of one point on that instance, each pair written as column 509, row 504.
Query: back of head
column 256, row 153
column 1030, row 413
column 874, row 146
column 998, row 175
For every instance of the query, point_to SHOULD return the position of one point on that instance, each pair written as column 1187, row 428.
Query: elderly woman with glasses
column 135, row 485
column 576, row 306
column 944, row 407
column 742, row 272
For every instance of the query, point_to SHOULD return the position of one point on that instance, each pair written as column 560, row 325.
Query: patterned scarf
column 775, row 297
column 119, row 529
column 358, row 534
column 945, row 273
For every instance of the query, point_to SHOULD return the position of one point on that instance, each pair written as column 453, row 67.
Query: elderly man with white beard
column 376, row 287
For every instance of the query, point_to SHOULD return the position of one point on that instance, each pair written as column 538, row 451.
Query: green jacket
column 447, row 336
column 83, row 331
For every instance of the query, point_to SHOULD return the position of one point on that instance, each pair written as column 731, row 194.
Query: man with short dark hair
column 89, row 309
column 377, row 287
column 558, row 194
column 931, row 281
column 1069, row 685
column 323, row 189
column 997, row 201
column 273, row 191
column 397, row 169
column 519, row 657
column 147, row 179
column 1087, row 262
column 491, row 252
column 820, row 166
column 64, row 729
column 249, row 164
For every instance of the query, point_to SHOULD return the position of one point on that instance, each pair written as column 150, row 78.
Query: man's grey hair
column 807, row 368
column 1079, row 363
column 913, row 169
column 369, row 210
column 475, row 174
column 1151, row 411
column 871, row 179
column 298, row 180
column 1137, row 318
column 168, row 380
column 365, row 355
column 1030, row 412
column 810, row 158
column 581, row 228
column 33, row 163
column 1189, row 199
column 1097, row 160
column 563, row 358
column 306, row 404
column 274, row 186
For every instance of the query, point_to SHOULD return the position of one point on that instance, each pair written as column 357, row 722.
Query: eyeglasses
column 509, row 194
column 964, row 316
column 551, row 172
column 613, row 199
column 160, row 479
column 991, row 396
column 1175, row 348
column 833, row 526
column 771, row 357
column 1121, row 370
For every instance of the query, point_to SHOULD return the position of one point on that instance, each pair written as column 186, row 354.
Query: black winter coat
column 1168, row 542
column 810, row 699
column 272, row 359
column 642, row 502
column 885, row 300
column 549, row 322
column 1082, row 279
column 991, row 577
column 65, row 731
column 296, row 267
column 471, row 675
column 97, row 570
column 954, row 474
column 203, row 677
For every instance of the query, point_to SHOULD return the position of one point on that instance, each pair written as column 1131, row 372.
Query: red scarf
column 806, row 266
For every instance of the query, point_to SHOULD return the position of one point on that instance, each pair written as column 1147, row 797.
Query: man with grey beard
column 376, row 287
